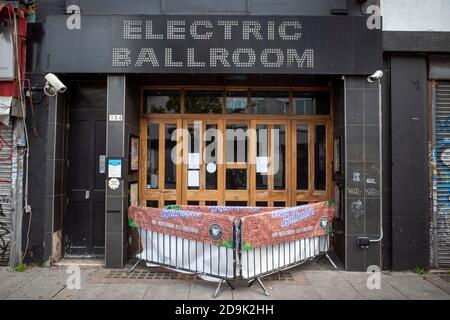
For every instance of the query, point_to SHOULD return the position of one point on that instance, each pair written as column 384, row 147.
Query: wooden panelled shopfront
column 285, row 134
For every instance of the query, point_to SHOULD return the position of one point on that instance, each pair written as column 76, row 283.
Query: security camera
column 377, row 75
column 53, row 85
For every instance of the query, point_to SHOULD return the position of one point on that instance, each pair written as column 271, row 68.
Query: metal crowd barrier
column 226, row 264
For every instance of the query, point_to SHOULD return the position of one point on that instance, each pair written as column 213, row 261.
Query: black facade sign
column 213, row 44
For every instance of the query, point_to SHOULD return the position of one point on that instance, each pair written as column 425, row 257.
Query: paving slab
column 167, row 292
column 442, row 281
column 124, row 292
column 87, row 292
column 40, row 288
column 203, row 290
column 414, row 286
column 325, row 279
column 281, row 292
column 244, row 292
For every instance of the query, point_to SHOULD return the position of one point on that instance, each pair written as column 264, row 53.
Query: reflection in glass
column 169, row 203
column 170, row 168
column 262, row 153
column 302, row 157
column 261, row 203
column 193, row 157
column 320, row 158
column 279, row 133
column 236, row 203
column 210, row 164
column 203, row 102
column 307, row 103
column 152, row 155
column 162, row 102
column 236, row 101
column 236, row 143
column 152, row 203
column 270, row 102
column 236, row 179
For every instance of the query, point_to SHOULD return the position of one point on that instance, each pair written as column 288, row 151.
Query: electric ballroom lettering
column 286, row 34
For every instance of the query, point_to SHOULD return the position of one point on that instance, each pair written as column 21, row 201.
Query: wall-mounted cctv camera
column 53, row 85
column 374, row 77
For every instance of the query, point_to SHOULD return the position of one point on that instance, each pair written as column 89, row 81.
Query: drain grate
column 283, row 276
column 148, row 275
column 157, row 275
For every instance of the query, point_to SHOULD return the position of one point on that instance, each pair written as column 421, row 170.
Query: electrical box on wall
column 7, row 69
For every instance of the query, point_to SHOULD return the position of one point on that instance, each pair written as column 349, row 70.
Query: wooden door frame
column 292, row 196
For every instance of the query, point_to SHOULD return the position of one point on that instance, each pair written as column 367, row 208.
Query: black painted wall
column 362, row 172
column 410, row 183
column 37, row 173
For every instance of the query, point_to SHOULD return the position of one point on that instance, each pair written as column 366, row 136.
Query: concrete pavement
column 301, row 283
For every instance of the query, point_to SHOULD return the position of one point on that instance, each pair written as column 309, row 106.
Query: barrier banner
column 181, row 221
column 286, row 224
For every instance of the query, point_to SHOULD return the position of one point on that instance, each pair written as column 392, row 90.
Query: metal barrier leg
column 257, row 279
column 135, row 265
column 330, row 260
column 219, row 286
column 262, row 286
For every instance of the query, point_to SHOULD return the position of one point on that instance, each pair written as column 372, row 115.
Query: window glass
column 162, row 102
column 152, row 155
column 236, row 143
column 302, row 157
column 279, row 165
column 320, row 157
column 203, row 101
column 236, row 179
column 236, row 101
column 211, row 157
column 270, row 102
column 170, row 168
column 307, row 103
column 262, row 156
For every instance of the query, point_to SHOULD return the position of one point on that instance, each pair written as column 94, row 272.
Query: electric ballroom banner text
column 214, row 44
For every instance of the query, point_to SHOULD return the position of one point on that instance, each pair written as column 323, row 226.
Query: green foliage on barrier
column 173, row 207
column 329, row 203
column 131, row 223
column 227, row 244
column 247, row 246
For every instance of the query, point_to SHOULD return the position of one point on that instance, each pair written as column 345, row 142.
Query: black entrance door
column 86, row 205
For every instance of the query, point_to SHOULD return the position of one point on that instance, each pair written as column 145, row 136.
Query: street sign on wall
column 213, row 44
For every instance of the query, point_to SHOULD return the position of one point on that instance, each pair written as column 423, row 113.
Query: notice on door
column 115, row 168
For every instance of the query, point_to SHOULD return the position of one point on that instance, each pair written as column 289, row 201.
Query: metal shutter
column 6, row 153
column 441, row 223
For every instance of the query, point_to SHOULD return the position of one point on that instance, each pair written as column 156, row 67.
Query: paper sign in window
column 193, row 178
column 193, row 161
column 262, row 164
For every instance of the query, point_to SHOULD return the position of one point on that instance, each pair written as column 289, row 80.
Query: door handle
column 102, row 163
column 87, row 195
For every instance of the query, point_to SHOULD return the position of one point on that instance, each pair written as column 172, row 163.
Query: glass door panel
column 270, row 169
column 160, row 162
column 202, row 170
column 236, row 151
